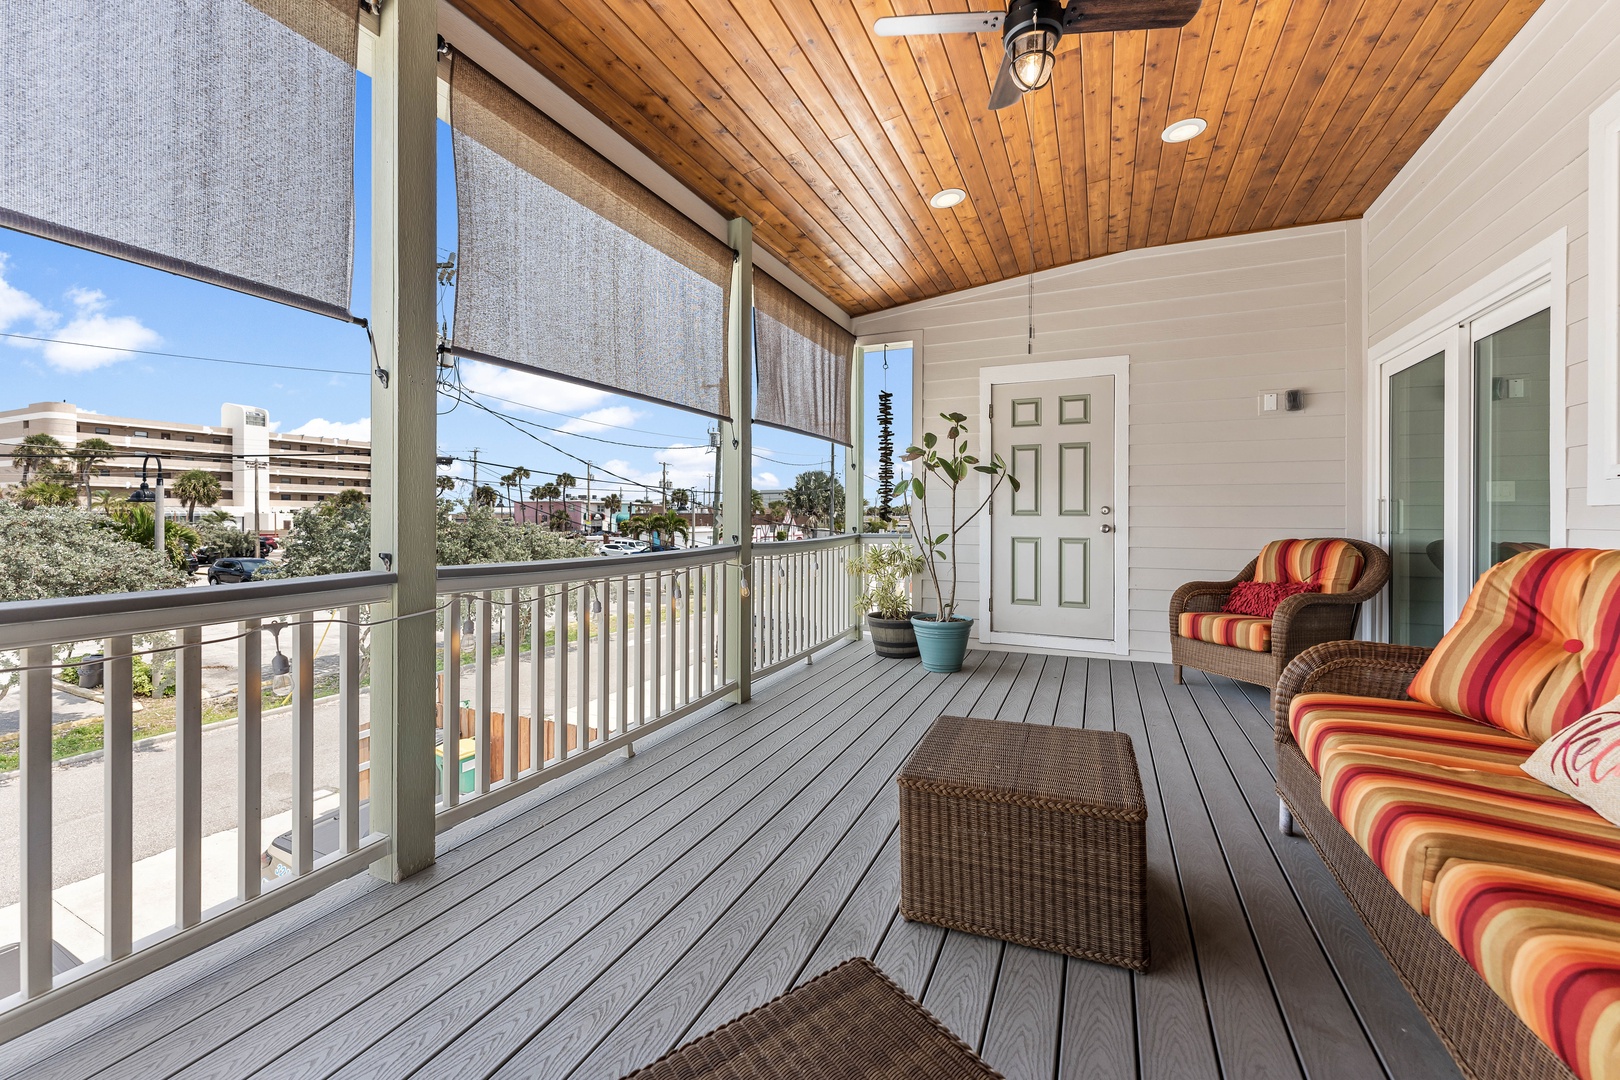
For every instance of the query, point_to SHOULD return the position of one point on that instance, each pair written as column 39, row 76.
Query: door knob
column 1108, row 528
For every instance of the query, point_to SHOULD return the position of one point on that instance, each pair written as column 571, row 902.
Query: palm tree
column 520, row 476
column 546, row 492
column 196, row 487
column 484, row 495
column 756, row 501
column 681, row 498
column 663, row 527
column 105, row 501
column 445, row 483
column 36, row 452
column 85, row 457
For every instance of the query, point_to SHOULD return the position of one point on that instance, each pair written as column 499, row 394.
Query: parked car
column 268, row 542
column 624, row 547
column 236, row 571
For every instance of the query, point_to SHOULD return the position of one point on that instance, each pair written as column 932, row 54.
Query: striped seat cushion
column 1550, row 946
column 1326, row 724
column 1333, row 564
column 1240, row 631
column 1411, row 817
column 1537, row 645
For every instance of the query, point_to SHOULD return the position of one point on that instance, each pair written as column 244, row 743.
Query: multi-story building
column 259, row 470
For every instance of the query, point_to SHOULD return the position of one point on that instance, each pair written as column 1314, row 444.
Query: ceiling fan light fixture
column 945, row 200
column 1033, row 54
column 1184, row 130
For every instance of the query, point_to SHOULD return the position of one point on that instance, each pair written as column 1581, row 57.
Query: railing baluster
column 604, row 632
column 34, row 751
column 514, row 686
column 303, row 743
column 657, row 628
column 643, row 713
column 349, row 730
column 537, row 680
column 622, row 608
column 188, row 778
column 483, row 664
column 249, row 759
column 559, row 669
column 450, row 749
column 705, row 646
column 118, row 803
column 582, row 698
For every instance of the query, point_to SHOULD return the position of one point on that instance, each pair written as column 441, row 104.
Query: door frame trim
column 1053, row 371
column 1544, row 266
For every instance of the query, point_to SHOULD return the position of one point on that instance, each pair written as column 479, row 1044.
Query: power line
column 182, row 356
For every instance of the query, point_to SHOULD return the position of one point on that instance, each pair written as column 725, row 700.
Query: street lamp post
column 153, row 495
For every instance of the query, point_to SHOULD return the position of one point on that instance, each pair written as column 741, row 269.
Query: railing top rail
column 763, row 548
column 27, row 623
column 553, row 571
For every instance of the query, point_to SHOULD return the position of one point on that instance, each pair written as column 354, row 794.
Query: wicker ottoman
column 850, row 1024
column 1029, row 834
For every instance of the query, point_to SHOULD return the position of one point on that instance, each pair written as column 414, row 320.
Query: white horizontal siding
column 1504, row 171
column 1207, row 326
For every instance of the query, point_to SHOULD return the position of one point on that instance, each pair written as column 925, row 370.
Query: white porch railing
column 593, row 652
column 803, row 598
column 560, row 663
column 176, row 627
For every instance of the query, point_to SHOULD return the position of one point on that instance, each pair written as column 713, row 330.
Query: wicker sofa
column 1300, row 621
column 1374, row 786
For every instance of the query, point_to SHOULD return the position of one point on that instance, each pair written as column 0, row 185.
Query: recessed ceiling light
column 948, row 198
column 1183, row 130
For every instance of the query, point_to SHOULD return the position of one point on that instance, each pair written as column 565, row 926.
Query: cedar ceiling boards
column 793, row 114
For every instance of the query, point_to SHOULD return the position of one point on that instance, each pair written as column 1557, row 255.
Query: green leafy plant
column 946, row 464
column 889, row 569
column 664, row 527
column 196, row 487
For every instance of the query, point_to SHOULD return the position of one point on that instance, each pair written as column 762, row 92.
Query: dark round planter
column 893, row 638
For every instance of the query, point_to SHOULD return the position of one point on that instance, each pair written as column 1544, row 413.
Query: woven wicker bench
column 1030, row 834
column 850, row 1024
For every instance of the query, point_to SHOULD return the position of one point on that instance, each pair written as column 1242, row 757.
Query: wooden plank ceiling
column 793, row 114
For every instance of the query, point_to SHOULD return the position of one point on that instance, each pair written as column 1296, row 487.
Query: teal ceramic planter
column 943, row 645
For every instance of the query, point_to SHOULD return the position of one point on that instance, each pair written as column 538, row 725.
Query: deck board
column 588, row 931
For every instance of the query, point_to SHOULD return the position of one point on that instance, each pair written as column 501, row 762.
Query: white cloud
column 91, row 339
column 599, row 420
column 766, row 480
column 689, row 467
column 336, row 429
column 529, row 391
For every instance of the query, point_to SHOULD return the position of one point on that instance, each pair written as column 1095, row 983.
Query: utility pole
column 663, row 486
column 714, row 495
column 585, row 515
column 475, row 472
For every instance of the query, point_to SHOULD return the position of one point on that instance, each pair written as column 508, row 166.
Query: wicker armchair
column 1300, row 622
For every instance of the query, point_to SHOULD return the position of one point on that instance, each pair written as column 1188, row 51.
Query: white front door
column 1053, row 542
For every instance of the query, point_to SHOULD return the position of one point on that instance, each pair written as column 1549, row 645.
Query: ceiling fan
column 1030, row 31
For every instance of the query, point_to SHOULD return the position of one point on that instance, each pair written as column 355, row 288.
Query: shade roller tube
column 804, row 362
column 209, row 138
column 571, row 268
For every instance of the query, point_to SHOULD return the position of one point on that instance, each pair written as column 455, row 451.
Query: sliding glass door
column 1465, row 469
column 1415, row 510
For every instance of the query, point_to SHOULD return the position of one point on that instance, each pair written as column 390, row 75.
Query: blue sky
column 49, row 290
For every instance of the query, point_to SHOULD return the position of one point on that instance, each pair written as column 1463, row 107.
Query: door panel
column 1416, row 506
column 1512, row 436
column 1053, row 541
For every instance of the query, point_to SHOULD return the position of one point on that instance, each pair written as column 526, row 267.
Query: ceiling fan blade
column 1099, row 16
column 1005, row 92
column 969, row 22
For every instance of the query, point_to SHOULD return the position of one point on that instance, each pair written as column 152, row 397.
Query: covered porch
column 587, row 930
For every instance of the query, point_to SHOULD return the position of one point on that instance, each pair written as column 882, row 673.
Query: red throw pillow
column 1260, row 598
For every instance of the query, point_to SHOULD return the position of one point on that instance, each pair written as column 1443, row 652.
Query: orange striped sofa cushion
column 1537, row 645
column 1325, row 724
column 1411, row 818
column 1218, row 628
column 1549, row 946
column 1333, row 564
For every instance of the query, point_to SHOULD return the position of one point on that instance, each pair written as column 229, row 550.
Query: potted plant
column 942, row 636
column 886, row 600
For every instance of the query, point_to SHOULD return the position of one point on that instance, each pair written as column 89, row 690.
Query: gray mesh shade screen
column 804, row 361
column 570, row 267
column 210, row 138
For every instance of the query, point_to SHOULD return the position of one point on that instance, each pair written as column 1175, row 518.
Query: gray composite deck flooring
column 599, row 926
